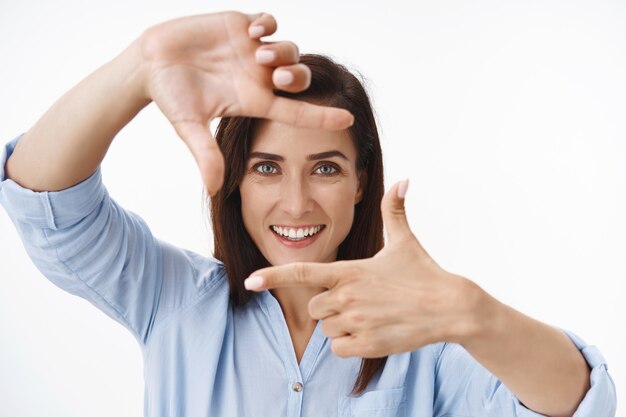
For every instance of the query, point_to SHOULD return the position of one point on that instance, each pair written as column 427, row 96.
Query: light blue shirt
column 202, row 357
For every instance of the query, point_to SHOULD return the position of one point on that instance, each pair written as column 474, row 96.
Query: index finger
column 308, row 274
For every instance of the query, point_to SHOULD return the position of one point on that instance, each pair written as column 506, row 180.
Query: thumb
column 394, row 214
column 311, row 116
column 205, row 151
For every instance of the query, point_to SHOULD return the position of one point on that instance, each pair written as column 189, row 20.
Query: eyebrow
column 312, row 157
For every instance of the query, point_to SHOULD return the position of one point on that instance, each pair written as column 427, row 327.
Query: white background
column 508, row 117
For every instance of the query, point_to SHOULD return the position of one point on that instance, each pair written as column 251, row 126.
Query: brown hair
column 331, row 84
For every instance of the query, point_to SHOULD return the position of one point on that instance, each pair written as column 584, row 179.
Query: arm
column 463, row 386
column 537, row 362
column 50, row 184
column 401, row 300
column 195, row 69
column 70, row 140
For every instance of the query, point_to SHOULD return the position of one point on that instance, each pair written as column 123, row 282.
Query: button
column 297, row 387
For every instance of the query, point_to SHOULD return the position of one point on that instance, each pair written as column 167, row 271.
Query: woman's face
column 298, row 192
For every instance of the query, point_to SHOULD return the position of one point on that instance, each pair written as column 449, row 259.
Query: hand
column 201, row 67
column 397, row 301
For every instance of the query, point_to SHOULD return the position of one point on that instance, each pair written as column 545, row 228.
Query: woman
column 258, row 214
column 291, row 193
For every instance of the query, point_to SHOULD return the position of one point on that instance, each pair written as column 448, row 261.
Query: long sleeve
column 464, row 387
column 86, row 244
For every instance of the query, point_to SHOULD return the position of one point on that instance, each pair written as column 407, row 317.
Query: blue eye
column 327, row 170
column 265, row 169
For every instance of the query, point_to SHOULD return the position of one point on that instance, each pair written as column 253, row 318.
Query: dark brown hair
column 331, row 84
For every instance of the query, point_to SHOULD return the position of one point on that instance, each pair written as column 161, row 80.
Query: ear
column 361, row 187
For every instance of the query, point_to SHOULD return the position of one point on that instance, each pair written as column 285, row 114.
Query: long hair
column 331, row 84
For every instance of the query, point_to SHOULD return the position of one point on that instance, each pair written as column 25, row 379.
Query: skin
column 296, row 191
column 401, row 300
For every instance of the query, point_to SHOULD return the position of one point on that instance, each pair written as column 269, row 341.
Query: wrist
column 480, row 314
column 132, row 72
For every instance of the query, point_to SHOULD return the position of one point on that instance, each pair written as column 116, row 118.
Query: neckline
column 281, row 331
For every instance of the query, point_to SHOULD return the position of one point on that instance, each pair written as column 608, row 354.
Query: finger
column 360, row 344
column 297, row 274
column 292, row 78
column 333, row 327
column 205, row 151
column 320, row 306
column 307, row 115
column 345, row 346
column 278, row 53
column 394, row 213
column 261, row 24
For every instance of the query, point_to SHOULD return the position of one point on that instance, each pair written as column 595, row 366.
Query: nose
column 295, row 199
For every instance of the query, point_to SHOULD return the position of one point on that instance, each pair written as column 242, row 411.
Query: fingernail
column 256, row 31
column 254, row 282
column 282, row 77
column 402, row 188
column 265, row 57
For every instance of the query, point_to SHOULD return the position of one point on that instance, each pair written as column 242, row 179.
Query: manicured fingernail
column 265, row 57
column 282, row 77
column 254, row 282
column 256, row 31
column 402, row 187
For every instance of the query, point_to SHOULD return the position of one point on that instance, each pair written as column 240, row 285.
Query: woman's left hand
column 397, row 301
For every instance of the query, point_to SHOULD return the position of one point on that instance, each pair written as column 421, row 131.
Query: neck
column 294, row 302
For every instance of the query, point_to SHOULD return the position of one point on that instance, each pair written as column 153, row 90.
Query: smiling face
column 298, row 192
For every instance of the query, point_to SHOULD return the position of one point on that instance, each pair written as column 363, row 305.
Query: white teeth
column 296, row 234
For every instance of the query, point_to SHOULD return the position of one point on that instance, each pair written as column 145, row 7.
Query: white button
column 297, row 387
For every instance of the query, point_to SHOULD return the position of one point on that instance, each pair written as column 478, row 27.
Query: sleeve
column 463, row 387
column 86, row 244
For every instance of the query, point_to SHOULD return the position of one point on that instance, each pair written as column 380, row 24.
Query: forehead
column 291, row 141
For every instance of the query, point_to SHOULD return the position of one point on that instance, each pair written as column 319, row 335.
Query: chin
column 287, row 259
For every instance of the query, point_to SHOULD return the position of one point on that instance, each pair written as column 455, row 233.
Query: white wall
column 508, row 117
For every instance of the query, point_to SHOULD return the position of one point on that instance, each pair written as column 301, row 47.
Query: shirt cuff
column 601, row 399
column 48, row 209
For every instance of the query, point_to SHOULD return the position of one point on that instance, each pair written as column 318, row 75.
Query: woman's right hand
column 201, row 67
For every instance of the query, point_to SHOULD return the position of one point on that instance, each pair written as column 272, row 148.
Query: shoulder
column 183, row 268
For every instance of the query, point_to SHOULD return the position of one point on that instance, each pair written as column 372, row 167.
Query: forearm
column 538, row 363
column 70, row 140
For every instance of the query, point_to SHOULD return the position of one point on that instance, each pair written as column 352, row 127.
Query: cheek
column 339, row 205
column 252, row 208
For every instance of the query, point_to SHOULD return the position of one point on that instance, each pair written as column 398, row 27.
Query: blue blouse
column 203, row 357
